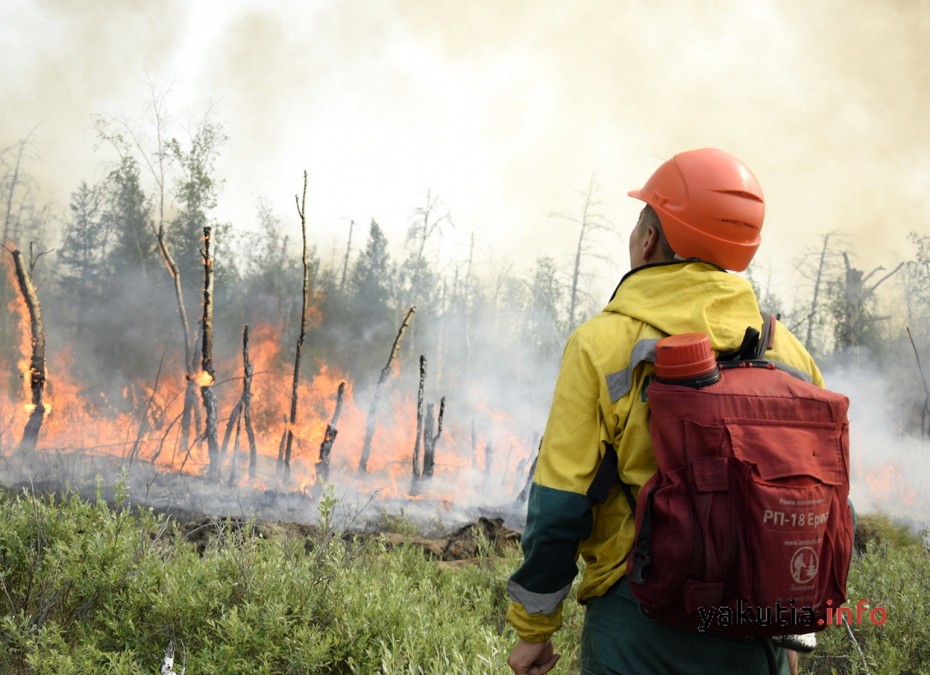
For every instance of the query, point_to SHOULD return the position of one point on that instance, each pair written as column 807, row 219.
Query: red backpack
column 745, row 529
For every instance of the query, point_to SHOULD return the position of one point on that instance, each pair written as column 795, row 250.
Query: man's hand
column 532, row 658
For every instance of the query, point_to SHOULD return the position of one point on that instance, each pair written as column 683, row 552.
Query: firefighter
column 703, row 216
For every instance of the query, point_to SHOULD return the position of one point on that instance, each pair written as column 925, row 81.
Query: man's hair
column 651, row 219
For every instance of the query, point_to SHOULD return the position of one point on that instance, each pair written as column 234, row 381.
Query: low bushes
column 90, row 588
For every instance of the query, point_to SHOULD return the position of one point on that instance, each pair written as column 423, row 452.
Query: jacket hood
column 689, row 297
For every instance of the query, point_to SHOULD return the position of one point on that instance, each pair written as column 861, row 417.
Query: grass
column 90, row 588
column 891, row 571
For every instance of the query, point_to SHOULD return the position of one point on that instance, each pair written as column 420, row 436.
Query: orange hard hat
column 710, row 206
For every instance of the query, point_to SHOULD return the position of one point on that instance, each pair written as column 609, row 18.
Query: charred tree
column 37, row 372
column 232, row 421
column 416, row 440
column 430, row 440
column 329, row 437
column 282, row 442
column 207, row 376
column 305, row 307
column 234, row 462
column 242, row 411
column 373, row 407
column 248, row 370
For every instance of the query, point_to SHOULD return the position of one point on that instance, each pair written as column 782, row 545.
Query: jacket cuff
column 534, row 627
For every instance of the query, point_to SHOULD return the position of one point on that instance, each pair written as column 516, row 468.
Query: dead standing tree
column 425, row 432
column 855, row 319
column 589, row 222
column 373, row 407
column 207, row 376
column 190, row 395
column 429, row 439
column 37, row 373
column 416, row 440
column 243, row 410
column 305, row 307
column 329, row 437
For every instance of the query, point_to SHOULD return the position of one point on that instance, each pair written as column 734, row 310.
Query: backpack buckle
column 641, row 560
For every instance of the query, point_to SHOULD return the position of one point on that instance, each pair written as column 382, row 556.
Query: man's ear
column 650, row 247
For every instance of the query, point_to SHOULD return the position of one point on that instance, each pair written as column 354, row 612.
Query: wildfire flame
column 203, row 379
column 144, row 425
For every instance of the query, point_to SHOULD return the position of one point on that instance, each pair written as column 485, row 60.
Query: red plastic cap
column 684, row 356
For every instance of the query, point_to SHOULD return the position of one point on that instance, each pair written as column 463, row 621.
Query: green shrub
column 86, row 588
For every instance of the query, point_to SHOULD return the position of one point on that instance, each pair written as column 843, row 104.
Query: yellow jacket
column 600, row 398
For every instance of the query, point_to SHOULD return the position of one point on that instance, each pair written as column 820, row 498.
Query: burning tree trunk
column 37, row 372
column 207, row 376
column 373, row 408
column 329, row 437
column 301, row 205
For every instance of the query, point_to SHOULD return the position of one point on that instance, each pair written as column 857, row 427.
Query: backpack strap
column 754, row 344
column 640, row 553
column 768, row 335
column 607, row 476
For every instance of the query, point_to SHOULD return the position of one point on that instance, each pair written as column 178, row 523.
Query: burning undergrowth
column 479, row 466
column 890, row 467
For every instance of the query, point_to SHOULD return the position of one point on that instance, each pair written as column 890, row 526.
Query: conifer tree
column 82, row 255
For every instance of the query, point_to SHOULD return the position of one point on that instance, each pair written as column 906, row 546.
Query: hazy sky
column 504, row 110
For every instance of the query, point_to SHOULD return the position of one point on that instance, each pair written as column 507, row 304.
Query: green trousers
column 618, row 639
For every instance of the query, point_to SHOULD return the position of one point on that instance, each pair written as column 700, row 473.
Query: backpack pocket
column 793, row 476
